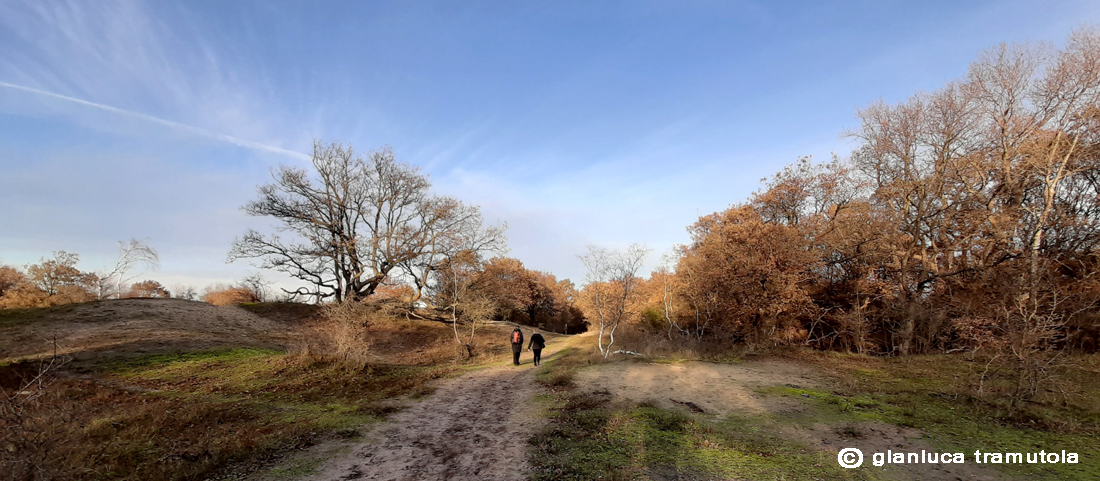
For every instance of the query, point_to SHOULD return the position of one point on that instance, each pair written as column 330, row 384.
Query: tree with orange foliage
column 148, row 289
column 9, row 278
column 747, row 274
column 58, row 281
column 517, row 289
column 663, row 303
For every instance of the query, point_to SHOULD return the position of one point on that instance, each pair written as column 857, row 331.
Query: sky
column 575, row 122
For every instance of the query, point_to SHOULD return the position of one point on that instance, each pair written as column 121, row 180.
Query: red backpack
column 516, row 337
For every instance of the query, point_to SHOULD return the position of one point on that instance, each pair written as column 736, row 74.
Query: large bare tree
column 349, row 224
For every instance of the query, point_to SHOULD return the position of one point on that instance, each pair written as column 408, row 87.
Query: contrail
column 176, row 125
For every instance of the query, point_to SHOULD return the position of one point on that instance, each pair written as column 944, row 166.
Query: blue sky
column 576, row 123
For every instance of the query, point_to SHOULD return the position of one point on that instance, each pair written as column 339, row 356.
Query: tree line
column 966, row 218
column 58, row 280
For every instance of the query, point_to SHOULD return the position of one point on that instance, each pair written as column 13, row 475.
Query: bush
column 229, row 296
column 340, row 332
column 148, row 289
column 362, row 333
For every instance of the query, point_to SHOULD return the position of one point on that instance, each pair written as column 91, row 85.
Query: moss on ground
column 952, row 426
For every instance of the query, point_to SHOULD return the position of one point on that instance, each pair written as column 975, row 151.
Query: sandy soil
column 722, row 389
column 140, row 325
column 712, row 388
column 473, row 428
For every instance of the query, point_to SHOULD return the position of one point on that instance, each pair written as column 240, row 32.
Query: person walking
column 536, row 345
column 517, row 345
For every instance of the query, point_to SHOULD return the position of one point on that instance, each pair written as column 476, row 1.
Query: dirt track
column 472, row 428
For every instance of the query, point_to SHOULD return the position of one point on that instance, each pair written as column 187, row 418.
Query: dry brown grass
column 31, row 425
column 683, row 347
column 286, row 312
column 362, row 333
column 192, row 416
column 188, row 407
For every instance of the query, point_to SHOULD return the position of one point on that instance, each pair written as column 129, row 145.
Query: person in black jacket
column 537, row 345
column 517, row 345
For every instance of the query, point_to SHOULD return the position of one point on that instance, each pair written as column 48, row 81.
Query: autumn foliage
column 966, row 218
column 51, row 282
column 502, row 288
column 222, row 295
column 148, row 289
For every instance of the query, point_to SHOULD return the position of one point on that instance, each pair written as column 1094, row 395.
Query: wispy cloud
column 148, row 58
column 175, row 125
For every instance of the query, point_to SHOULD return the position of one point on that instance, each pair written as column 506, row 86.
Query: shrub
column 341, row 332
column 229, row 296
column 147, row 289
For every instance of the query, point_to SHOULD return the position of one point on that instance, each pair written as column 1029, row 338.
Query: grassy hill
column 170, row 389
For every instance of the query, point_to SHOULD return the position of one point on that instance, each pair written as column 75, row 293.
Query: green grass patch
column 951, row 426
column 588, row 437
column 182, row 361
column 557, row 373
column 272, row 375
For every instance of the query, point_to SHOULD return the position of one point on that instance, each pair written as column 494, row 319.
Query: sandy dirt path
column 474, row 427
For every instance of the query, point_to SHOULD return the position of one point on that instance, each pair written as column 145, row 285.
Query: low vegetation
column 591, row 435
column 185, row 416
column 230, row 296
column 594, row 434
column 192, row 413
column 593, row 438
column 940, row 396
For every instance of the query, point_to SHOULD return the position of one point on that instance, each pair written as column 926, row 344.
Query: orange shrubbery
column 222, row 295
column 49, row 283
column 147, row 289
